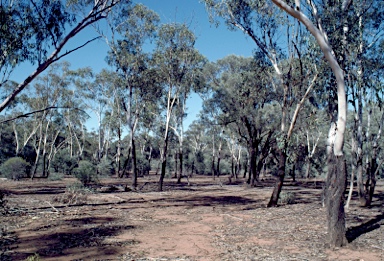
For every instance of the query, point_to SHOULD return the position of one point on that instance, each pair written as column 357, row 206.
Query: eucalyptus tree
column 48, row 127
column 75, row 116
column 375, row 114
column 362, row 61
column 94, row 91
column 149, row 119
column 336, row 178
column 211, row 116
column 196, row 137
column 176, row 61
column 265, row 24
column 32, row 29
column 114, row 115
column 134, row 66
column 241, row 90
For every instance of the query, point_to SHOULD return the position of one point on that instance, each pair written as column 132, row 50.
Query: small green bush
column 105, row 168
column 14, row 168
column 74, row 194
column 143, row 166
column 55, row 176
column 86, row 173
column 287, row 198
column 63, row 162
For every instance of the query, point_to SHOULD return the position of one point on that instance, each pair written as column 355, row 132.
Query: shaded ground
column 208, row 220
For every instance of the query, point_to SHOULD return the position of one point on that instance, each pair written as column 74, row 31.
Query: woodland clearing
column 206, row 220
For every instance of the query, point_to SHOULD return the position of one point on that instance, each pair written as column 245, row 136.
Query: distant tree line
column 315, row 64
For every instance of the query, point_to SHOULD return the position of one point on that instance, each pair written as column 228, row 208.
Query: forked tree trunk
column 336, row 163
column 280, row 176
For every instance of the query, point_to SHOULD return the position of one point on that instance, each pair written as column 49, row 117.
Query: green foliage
column 55, row 176
column 30, row 29
column 35, row 257
column 200, row 165
column 63, row 162
column 7, row 147
column 86, row 173
column 14, row 168
column 143, row 166
column 105, row 168
column 287, row 197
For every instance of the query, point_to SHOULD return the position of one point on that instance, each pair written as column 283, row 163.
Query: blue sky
column 213, row 42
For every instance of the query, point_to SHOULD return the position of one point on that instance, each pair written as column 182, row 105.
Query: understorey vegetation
column 307, row 105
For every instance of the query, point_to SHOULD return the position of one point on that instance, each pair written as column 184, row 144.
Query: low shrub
column 74, row 194
column 63, row 162
column 14, row 168
column 287, row 198
column 55, row 176
column 105, row 168
column 86, row 173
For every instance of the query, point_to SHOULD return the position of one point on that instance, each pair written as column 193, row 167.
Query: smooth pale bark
column 336, row 180
column 171, row 99
column 283, row 150
column 336, row 69
column 310, row 154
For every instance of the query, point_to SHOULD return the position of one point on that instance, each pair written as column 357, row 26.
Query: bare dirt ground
column 207, row 220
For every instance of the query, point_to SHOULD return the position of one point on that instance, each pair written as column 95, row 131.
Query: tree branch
column 26, row 115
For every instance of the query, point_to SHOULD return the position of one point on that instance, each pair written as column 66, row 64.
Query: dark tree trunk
column 232, row 167
column 163, row 163
column 125, row 166
column 192, row 168
column 134, row 165
column 162, row 175
column 334, row 200
column 175, row 174
column 360, row 181
column 213, row 170
column 245, row 169
column 118, row 152
column 371, row 182
column 218, row 166
column 180, row 175
column 280, row 179
column 45, row 165
column 292, row 173
column 252, row 175
column 48, row 171
column 308, row 171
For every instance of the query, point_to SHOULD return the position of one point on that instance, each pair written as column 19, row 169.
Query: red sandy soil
column 207, row 220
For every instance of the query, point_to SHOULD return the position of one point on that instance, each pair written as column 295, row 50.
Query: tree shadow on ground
column 373, row 224
column 74, row 239
column 207, row 201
